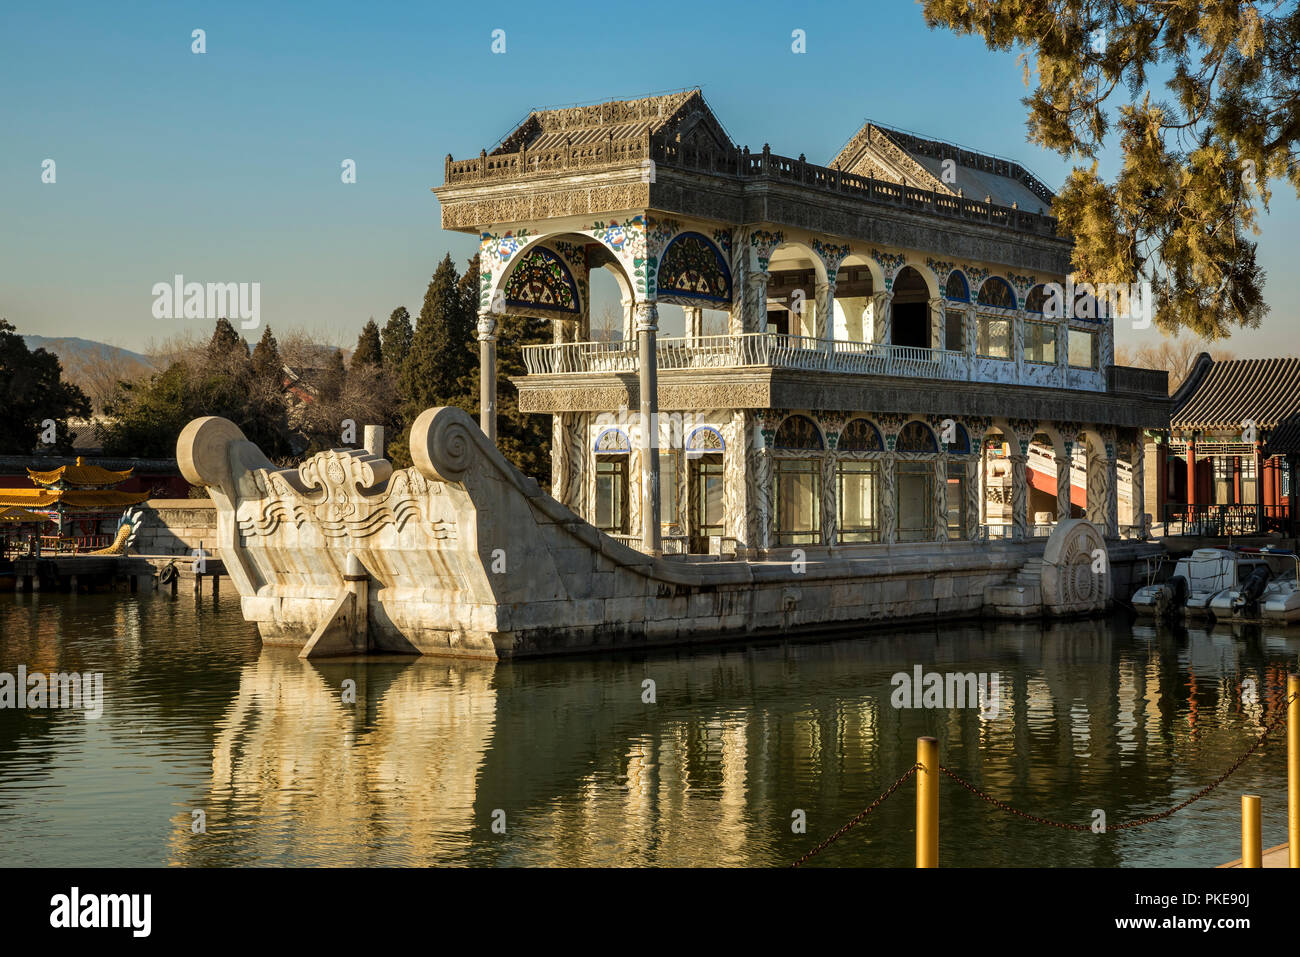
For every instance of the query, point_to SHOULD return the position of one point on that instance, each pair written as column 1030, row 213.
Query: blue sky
column 226, row 166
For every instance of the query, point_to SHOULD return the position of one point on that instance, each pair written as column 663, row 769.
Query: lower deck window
column 859, row 501
column 798, row 501
column 915, row 501
column 956, row 500
column 611, row 494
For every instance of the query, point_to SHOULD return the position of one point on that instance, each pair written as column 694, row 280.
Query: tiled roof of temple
column 1285, row 439
column 73, row 498
column 79, row 475
column 901, row 157
column 1265, row 391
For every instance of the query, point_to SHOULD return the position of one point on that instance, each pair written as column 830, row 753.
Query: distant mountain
column 72, row 349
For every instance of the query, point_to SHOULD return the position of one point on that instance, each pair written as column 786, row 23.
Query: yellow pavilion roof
column 72, row 498
column 21, row 516
column 79, row 474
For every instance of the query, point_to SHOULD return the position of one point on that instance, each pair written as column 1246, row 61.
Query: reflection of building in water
column 588, row 773
column 303, row 775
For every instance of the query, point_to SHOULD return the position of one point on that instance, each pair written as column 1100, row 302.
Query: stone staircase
column 1020, row 596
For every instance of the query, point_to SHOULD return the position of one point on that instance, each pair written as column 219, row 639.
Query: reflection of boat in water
column 1270, row 593
column 1197, row 580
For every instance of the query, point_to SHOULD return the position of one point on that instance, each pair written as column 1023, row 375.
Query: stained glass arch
column 996, row 292
column 693, row 268
column 956, row 289
column 798, row 433
column 612, row 440
column 916, row 437
column 705, row 439
column 860, row 436
column 541, row 280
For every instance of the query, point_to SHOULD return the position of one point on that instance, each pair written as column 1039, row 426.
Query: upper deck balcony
column 779, row 351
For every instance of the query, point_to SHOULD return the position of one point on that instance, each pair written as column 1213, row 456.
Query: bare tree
column 1175, row 356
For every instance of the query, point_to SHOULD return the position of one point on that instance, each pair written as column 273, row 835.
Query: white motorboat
column 1269, row 593
column 1197, row 580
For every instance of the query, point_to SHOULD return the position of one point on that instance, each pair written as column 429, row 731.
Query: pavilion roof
column 902, row 157
column 15, row 515
column 80, row 474
column 578, row 126
column 1228, row 393
column 72, row 498
column 1285, row 439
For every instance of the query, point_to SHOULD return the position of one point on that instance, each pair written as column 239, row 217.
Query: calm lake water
column 198, row 716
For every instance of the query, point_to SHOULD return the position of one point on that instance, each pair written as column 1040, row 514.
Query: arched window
column 858, row 484
column 613, row 440
column 916, row 437
column 957, row 483
column 860, row 436
column 798, row 433
column 914, row 485
column 956, row 289
column 993, row 331
column 693, row 269
column 997, row 293
column 612, row 450
column 705, row 439
column 542, row 280
column 1036, row 300
column 798, row 482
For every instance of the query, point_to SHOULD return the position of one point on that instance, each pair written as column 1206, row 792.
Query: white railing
column 580, row 357
column 752, row 349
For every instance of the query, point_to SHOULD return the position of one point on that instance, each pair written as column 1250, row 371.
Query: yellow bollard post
column 1252, row 834
column 927, row 802
column 1293, row 769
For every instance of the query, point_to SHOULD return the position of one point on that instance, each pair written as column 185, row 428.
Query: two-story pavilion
column 887, row 357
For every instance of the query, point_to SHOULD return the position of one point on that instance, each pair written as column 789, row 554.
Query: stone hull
column 463, row 556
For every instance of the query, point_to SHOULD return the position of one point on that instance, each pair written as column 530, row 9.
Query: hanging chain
column 861, row 815
column 1269, row 728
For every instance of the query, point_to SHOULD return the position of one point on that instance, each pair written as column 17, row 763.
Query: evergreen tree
column 226, row 343
column 523, row 438
column 332, row 380
column 32, row 391
column 368, row 350
column 1195, row 163
column 267, row 364
column 440, row 358
column 396, row 340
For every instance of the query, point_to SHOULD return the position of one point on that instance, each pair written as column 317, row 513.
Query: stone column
column 764, row 494
column 736, row 500
column 694, row 323
column 973, row 489
column 1019, row 490
column 830, row 500
column 1110, row 513
column 881, row 324
column 1018, row 343
column 972, row 339
column 754, row 318
column 888, row 497
column 647, row 326
column 937, row 321
column 824, row 311
column 1137, row 486
column 568, row 459
column 487, row 372
column 941, row 498
column 1064, row 466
